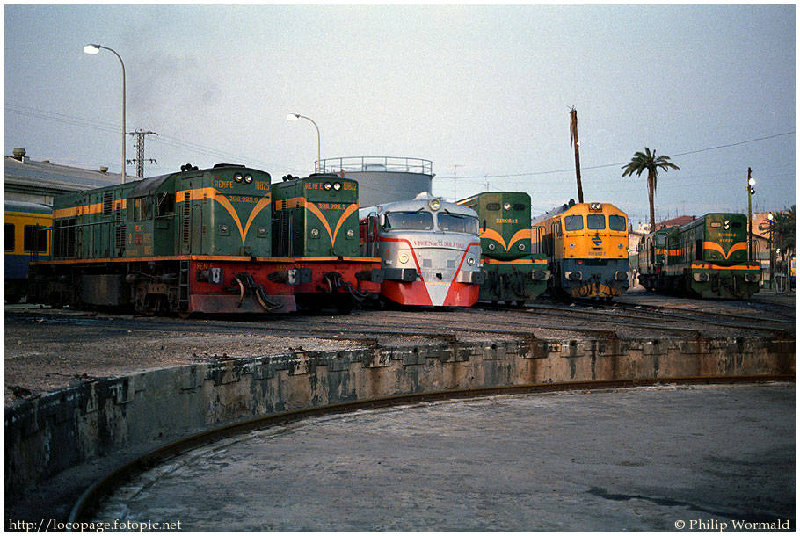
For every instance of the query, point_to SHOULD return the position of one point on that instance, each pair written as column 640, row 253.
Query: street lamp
column 296, row 117
column 750, row 191
column 95, row 49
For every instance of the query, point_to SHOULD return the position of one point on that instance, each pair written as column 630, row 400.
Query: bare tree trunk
column 574, row 138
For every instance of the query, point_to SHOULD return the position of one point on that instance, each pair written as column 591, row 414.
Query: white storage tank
column 383, row 179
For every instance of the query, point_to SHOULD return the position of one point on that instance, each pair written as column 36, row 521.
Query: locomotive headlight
column 248, row 179
column 572, row 245
column 403, row 258
column 435, row 204
column 620, row 246
column 492, row 247
column 470, row 261
column 327, row 186
column 521, row 247
column 238, row 177
column 315, row 233
column 594, row 206
column 337, row 186
column 350, row 233
column 507, row 206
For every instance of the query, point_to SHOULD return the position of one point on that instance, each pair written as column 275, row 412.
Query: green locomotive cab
column 512, row 272
column 316, row 216
column 224, row 211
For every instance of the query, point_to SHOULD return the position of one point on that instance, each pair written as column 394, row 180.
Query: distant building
column 38, row 182
column 675, row 222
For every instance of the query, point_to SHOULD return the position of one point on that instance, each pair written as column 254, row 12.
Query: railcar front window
column 408, row 221
column 616, row 223
column 595, row 221
column 573, row 223
column 458, row 223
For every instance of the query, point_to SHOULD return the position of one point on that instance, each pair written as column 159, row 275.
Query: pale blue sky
column 482, row 90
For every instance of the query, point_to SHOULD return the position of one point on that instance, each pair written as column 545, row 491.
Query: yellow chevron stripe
column 713, row 246
column 522, row 234
column 494, row 235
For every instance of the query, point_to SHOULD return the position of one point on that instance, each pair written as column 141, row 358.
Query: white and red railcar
column 430, row 251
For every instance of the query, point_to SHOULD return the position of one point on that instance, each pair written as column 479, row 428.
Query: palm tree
column 648, row 161
column 784, row 228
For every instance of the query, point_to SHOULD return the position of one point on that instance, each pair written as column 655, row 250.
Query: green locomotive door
column 190, row 217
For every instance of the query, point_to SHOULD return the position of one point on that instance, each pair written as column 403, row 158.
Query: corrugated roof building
column 38, row 182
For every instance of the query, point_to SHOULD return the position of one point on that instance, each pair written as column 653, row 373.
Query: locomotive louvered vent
column 108, row 202
column 186, row 211
column 120, row 227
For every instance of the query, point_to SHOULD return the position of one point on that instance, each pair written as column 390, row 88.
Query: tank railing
column 377, row 163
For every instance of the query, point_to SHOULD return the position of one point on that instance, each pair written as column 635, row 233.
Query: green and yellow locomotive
column 512, row 273
column 707, row 258
column 315, row 222
column 193, row 241
column 587, row 248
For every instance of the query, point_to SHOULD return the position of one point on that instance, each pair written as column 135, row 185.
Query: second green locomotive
column 512, row 273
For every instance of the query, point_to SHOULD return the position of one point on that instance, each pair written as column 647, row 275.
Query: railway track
column 589, row 319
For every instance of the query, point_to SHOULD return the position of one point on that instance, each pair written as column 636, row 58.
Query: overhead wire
column 112, row 127
column 601, row 166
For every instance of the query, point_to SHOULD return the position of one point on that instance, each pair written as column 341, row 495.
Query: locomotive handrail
column 396, row 164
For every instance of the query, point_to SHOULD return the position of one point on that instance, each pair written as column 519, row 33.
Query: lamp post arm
column 319, row 139
column 124, row 92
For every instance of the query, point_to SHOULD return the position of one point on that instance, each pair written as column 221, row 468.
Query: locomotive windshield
column 616, row 222
column 595, row 221
column 409, row 221
column 458, row 223
column 573, row 223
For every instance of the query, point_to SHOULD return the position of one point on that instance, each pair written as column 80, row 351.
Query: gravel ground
column 48, row 349
column 39, row 357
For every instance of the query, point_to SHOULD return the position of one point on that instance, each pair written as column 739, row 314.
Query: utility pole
column 140, row 159
column 750, row 191
column 455, row 181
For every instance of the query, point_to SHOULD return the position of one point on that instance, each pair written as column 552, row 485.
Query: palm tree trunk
column 650, row 197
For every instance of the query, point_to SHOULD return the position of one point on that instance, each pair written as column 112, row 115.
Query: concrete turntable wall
column 46, row 435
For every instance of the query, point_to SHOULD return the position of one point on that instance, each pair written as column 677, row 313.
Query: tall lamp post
column 750, row 191
column 295, row 117
column 95, row 49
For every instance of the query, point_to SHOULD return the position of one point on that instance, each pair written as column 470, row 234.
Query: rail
column 395, row 164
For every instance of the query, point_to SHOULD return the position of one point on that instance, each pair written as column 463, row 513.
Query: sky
column 482, row 91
